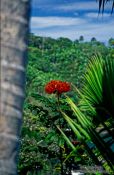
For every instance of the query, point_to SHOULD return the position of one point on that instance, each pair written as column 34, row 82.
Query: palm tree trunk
column 14, row 30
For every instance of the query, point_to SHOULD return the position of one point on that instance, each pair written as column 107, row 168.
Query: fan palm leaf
column 98, row 89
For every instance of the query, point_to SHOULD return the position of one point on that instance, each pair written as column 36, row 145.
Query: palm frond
column 96, row 104
column 93, row 80
column 108, row 87
column 81, row 118
column 67, row 139
column 70, row 122
column 102, row 4
column 98, row 89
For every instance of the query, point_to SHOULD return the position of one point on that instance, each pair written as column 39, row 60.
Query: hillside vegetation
column 42, row 145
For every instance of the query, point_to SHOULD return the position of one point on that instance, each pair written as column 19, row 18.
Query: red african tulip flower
column 57, row 86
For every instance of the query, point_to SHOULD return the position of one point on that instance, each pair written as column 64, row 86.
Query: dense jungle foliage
column 42, row 145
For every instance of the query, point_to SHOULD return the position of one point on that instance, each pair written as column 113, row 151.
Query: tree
column 81, row 38
column 93, row 39
column 14, row 29
column 111, row 42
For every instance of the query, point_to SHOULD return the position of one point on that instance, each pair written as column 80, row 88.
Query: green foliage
column 94, row 113
column 41, row 142
column 111, row 42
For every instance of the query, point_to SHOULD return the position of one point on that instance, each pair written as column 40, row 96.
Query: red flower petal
column 57, row 86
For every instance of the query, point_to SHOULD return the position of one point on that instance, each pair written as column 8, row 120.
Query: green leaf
column 66, row 138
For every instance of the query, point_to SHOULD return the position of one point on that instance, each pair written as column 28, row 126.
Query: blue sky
column 71, row 19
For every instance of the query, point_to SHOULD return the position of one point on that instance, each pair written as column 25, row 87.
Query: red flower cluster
column 56, row 86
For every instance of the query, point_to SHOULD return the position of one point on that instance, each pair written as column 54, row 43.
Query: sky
column 71, row 19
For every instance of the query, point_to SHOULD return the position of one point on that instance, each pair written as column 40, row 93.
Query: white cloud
column 102, row 31
column 95, row 15
column 43, row 22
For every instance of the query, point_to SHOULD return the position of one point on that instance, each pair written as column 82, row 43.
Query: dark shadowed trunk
column 14, row 30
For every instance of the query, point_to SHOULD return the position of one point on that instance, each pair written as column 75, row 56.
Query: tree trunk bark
column 14, row 32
